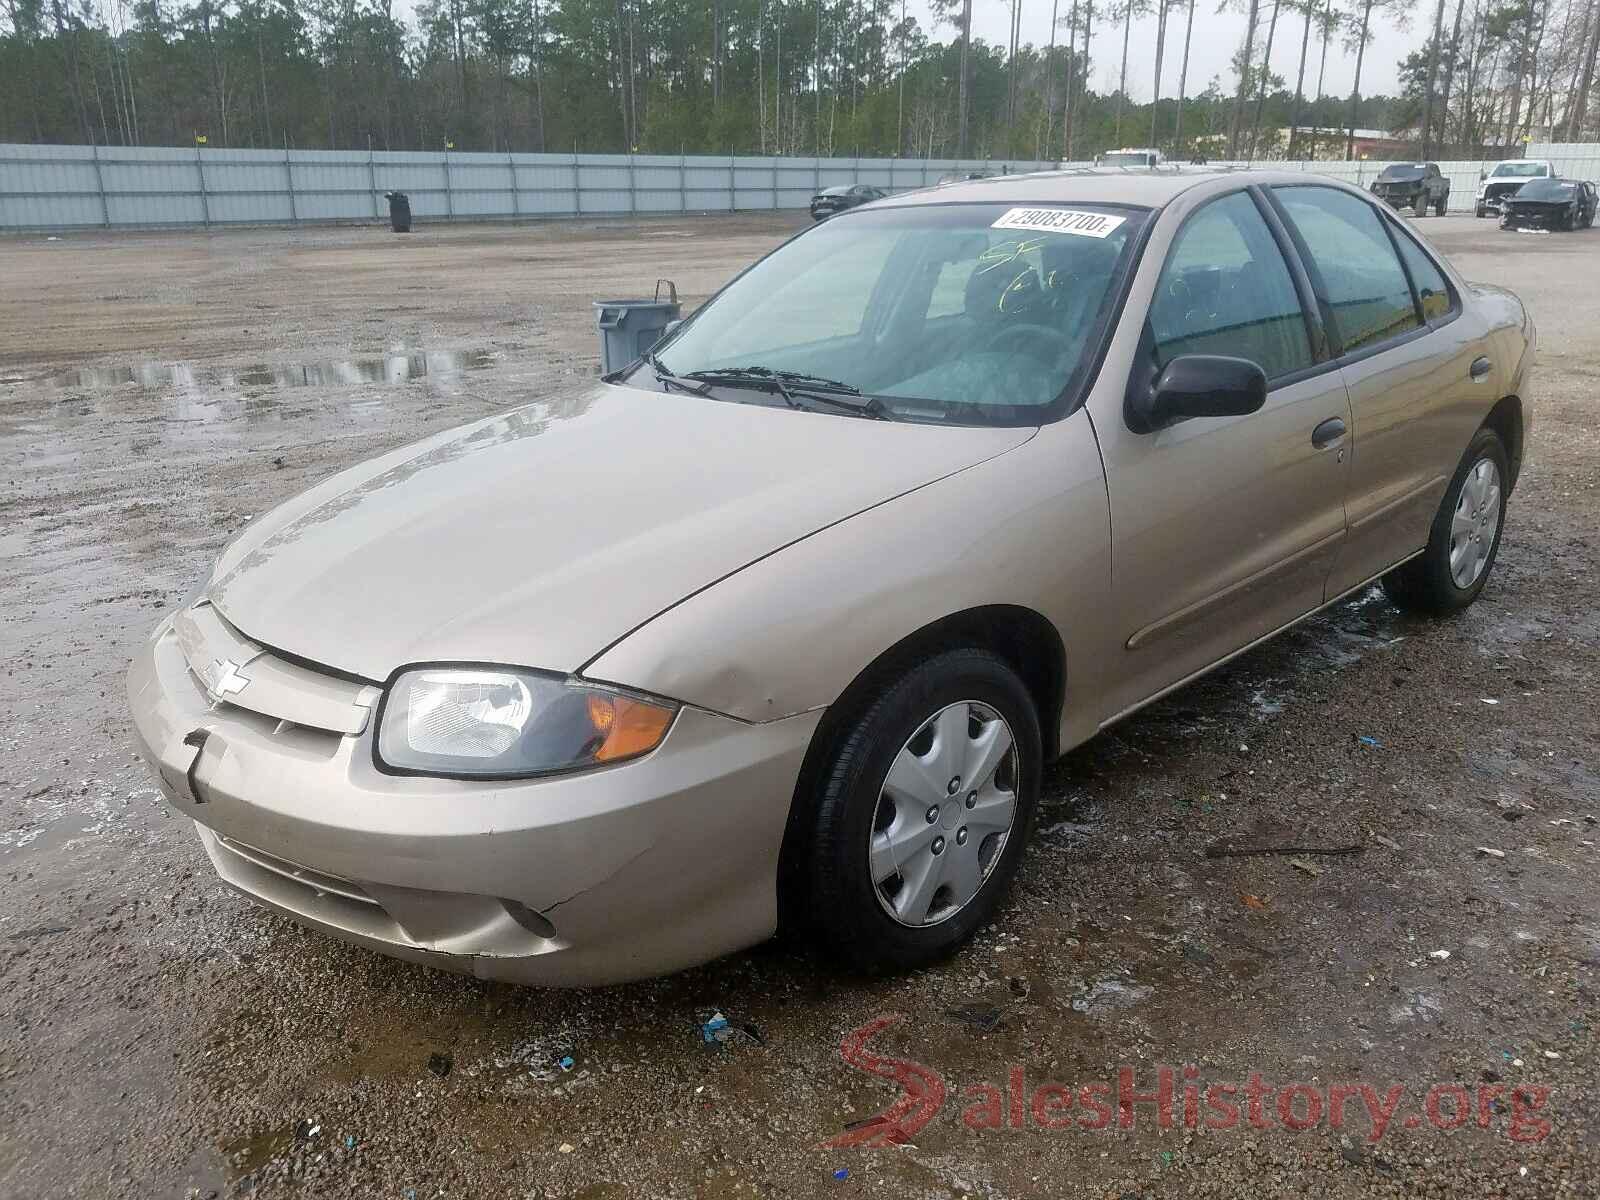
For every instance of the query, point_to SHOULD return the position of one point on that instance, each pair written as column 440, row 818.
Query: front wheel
column 1464, row 538
column 925, row 812
column 1419, row 206
column 1441, row 204
column 1481, row 212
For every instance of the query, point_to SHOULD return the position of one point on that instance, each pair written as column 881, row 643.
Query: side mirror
column 1201, row 385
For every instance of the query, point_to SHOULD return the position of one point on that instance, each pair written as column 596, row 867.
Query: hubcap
column 1475, row 523
column 943, row 815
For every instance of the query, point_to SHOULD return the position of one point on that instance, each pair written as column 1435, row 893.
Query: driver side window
column 1225, row 290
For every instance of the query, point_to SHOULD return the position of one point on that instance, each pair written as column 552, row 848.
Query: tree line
column 835, row 77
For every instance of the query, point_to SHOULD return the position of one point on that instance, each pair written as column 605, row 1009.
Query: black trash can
column 399, row 211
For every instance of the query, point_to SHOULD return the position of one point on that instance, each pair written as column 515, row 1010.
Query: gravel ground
column 160, row 1036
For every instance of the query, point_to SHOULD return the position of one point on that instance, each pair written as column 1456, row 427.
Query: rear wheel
column 1464, row 538
column 1441, row 204
column 1419, row 206
column 925, row 812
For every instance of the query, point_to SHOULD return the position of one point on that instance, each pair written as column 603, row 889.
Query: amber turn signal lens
column 627, row 727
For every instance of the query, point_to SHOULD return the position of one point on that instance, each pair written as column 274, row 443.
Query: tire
column 1481, row 212
column 1442, row 203
column 855, row 812
column 1569, row 221
column 1429, row 583
column 1419, row 206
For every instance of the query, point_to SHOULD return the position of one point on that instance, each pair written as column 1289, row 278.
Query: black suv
column 1417, row 186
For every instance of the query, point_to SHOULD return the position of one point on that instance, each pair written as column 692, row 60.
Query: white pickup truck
column 1506, row 178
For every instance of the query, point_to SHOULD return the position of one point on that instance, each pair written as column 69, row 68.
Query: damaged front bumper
column 615, row 874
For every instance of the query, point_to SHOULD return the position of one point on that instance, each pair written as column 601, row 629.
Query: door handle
column 1327, row 433
column 1481, row 366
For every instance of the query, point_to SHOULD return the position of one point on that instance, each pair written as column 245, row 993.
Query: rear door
column 1223, row 529
column 1411, row 365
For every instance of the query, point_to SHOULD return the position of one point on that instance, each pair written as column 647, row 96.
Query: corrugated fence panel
column 67, row 187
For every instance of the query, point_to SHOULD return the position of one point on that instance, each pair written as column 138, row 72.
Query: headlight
column 488, row 723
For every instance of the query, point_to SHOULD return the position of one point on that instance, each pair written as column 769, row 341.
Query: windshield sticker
column 1060, row 220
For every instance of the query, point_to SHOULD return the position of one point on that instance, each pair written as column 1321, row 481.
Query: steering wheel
column 1030, row 337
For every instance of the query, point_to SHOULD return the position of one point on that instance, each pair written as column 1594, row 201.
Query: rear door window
column 1225, row 290
column 1360, row 272
column 1432, row 290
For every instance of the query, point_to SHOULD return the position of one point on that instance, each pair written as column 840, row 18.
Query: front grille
column 236, row 673
column 319, row 882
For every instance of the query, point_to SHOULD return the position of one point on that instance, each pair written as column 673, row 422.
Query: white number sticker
column 1060, row 220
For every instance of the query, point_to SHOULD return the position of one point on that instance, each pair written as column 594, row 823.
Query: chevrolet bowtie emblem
column 223, row 678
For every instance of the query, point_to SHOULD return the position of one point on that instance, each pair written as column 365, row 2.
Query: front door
column 1223, row 529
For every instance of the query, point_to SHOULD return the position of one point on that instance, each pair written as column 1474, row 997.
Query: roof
column 1150, row 187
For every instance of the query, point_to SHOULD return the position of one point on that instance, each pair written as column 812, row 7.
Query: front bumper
column 615, row 874
column 1521, row 217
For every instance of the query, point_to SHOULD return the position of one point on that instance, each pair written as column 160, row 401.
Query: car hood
column 539, row 537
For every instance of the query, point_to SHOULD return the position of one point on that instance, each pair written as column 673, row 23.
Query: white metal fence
column 67, row 187
column 76, row 187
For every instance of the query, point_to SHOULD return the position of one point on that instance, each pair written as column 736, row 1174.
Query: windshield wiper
column 797, row 386
column 717, row 374
column 667, row 379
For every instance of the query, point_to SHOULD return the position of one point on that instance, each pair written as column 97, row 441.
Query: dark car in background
column 1564, row 204
column 1417, row 186
column 836, row 199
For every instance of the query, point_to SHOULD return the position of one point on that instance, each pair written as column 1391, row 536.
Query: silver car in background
column 789, row 617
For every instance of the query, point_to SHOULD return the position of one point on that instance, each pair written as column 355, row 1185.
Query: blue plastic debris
column 709, row 1031
column 842, row 1173
column 349, row 1141
column 1370, row 741
column 567, row 1063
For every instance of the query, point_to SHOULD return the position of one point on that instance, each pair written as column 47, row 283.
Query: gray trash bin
column 630, row 327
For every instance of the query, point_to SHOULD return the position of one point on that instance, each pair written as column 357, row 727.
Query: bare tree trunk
column 1155, row 98
column 1355, row 89
column 1244, row 79
column 1049, row 80
column 1300, row 82
column 1265, row 73
column 1183, row 81
column 1433, row 73
column 538, row 74
column 1322, row 71
column 261, row 67
column 819, row 80
column 1449, row 78
column 966, row 67
column 1069, row 105
column 1122, row 80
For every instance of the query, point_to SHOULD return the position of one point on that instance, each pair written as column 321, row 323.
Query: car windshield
column 1520, row 170
column 970, row 313
column 1403, row 172
column 1547, row 189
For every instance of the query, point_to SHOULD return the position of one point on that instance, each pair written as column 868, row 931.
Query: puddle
column 394, row 368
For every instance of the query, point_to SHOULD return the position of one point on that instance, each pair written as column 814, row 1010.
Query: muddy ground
column 160, row 1036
